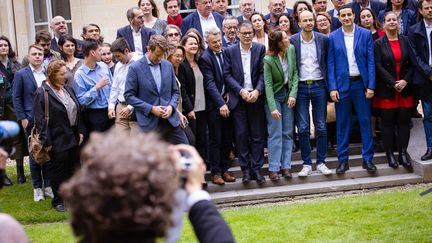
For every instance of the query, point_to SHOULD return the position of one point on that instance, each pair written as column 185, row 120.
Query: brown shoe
column 286, row 173
column 274, row 176
column 217, row 179
column 227, row 177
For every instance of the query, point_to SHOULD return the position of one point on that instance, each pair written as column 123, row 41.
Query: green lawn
column 399, row 215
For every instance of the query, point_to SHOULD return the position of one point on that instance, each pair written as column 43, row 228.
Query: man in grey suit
column 152, row 90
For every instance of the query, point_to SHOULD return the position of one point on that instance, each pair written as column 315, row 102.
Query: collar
column 349, row 34
column 426, row 25
column 305, row 42
column 56, row 39
column 87, row 70
column 150, row 63
column 335, row 13
column 228, row 41
column 133, row 31
column 41, row 70
column 241, row 47
column 210, row 17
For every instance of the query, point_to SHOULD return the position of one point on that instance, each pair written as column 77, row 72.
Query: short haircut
column 130, row 12
column 165, row 3
column 211, row 31
column 120, row 45
column 42, row 35
column 420, row 7
column 35, row 46
column 62, row 40
column 244, row 23
column 86, row 27
column 171, row 26
column 157, row 40
column 346, row 6
column 314, row 1
column 11, row 53
column 155, row 11
column 111, row 201
column 53, row 69
column 89, row 45
column 229, row 17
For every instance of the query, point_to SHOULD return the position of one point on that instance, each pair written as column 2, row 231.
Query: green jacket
column 274, row 76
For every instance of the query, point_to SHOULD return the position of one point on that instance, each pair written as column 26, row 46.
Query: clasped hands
column 249, row 96
column 400, row 85
column 162, row 111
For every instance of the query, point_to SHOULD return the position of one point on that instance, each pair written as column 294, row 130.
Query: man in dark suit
column 152, row 90
column 358, row 5
column 334, row 14
column 420, row 39
column 243, row 72
column 311, row 53
column 136, row 34
column 351, row 81
column 59, row 27
column 285, row 10
column 25, row 83
column 211, row 64
column 229, row 29
column 203, row 18
column 246, row 7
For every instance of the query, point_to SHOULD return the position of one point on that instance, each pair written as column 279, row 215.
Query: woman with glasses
column 323, row 23
column 172, row 34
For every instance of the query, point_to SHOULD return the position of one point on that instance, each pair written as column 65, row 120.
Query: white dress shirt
column 119, row 82
column 335, row 13
column 39, row 75
column 349, row 45
column 137, row 41
column 207, row 24
column 428, row 32
column 246, row 63
column 309, row 65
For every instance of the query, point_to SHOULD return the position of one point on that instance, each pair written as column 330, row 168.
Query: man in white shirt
column 203, row 18
column 125, row 119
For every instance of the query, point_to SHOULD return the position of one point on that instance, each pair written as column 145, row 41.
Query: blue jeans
column 280, row 134
column 427, row 121
column 317, row 94
column 39, row 173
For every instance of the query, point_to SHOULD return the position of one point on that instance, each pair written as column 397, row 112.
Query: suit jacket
column 126, row 32
column 321, row 43
column 141, row 92
column 289, row 12
column 186, row 78
column 24, row 86
column 213, row 79
column 274, row 76
column 422, row 84
column 375, row 5
column 335, row 23
column 338, row 69
column 208, row 224
column 386, row 67
column 54, row 45
column 234, row 74
column 57, row 133
column 225, row 43
column 408, row 18
column 193, row 21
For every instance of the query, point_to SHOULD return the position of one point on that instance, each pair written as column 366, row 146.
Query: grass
column 397, row 215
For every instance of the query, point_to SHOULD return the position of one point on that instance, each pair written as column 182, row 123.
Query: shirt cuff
column 196, row 197
column 111, row 106
column 130, row 107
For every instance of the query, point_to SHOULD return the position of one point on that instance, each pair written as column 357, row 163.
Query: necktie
column 221, row 64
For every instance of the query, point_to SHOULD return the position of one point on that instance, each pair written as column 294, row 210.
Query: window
column 44, row 10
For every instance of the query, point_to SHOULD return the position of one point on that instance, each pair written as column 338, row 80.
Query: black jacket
column 187, row 88
column 385, row 66
column 7, row 74
column 59, row 134
column 209, row 226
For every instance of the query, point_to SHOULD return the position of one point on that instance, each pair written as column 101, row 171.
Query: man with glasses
column 203, row 18
column 229, row 31
column 243, row 72
column 247, row 7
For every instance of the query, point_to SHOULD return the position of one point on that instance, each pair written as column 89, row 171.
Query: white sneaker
column 307, row 170
column 38, row 195
column 323, row 169
column 48, row 192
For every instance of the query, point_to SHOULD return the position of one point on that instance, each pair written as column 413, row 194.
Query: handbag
column 39, row 153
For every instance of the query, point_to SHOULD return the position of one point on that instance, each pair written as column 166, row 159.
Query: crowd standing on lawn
column 229, row 85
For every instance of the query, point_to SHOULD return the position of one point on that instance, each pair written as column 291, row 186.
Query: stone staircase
column 236, row 193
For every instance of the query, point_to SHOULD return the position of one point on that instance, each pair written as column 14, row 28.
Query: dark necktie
column 221, row 64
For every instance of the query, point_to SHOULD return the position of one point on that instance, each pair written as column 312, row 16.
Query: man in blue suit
column 229, row 36
column 152, row 90
column 311, row 53
column 421, row 43
column 334, row 14
column 203, row 18
column 246, row 7
column 351, row 82
column 358, row 5
column 243, row 73
column 25, row 83
column 136, row 34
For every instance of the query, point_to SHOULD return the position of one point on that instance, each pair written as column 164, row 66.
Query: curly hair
column 124, row 191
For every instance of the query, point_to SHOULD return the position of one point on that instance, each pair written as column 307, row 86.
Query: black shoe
column 60, row 208
column 259, row 178
column 427, row 155
column 7, row 181
column 405, row 159
column 342, row 167
column 20, row 175
column 369, row 166
column 391, row 160
column 246, row 178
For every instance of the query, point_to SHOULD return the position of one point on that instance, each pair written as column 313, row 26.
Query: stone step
column 354, row 172
column 296, row 166
column 270, row 194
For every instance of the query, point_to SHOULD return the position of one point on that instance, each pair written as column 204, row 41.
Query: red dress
column 398, row 101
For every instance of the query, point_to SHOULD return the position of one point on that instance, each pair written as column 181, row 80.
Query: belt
column 309, row 82
column 354, row 78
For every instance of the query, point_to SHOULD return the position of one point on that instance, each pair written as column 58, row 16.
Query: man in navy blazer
column 420, row 41
column 152, row 90
column 229, row 29
column 202, row 19
column 334, row 13
column 243, row 72
column 358, row 5
column 136, row 34
column 351, row 81
column 25, row 83
column 211, row 64
column 311, row 53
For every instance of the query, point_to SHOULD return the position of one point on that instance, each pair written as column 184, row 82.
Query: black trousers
column 395, row 120
column 173, row 135
column 97, row 120
column 199, row 128
column 62, row 167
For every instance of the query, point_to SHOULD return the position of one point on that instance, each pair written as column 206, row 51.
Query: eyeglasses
column 246, row 33
column 173, row 34
column 322, row 20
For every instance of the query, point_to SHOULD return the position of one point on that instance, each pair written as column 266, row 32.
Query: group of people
column 227, row 84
